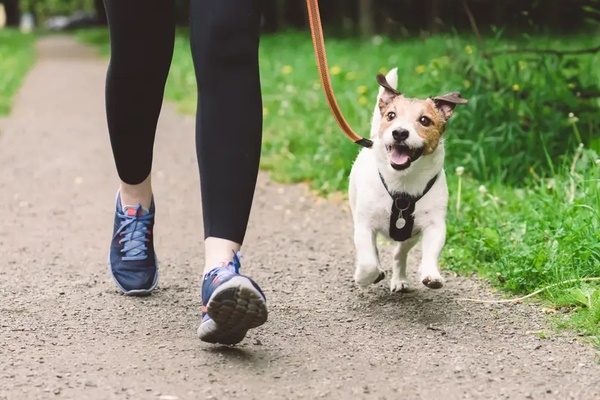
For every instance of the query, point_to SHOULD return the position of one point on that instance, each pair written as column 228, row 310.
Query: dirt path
column 65, row 332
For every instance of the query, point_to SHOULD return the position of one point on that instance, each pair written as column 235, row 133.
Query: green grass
column 17, row 55
column 515, row 139
column 527, row 238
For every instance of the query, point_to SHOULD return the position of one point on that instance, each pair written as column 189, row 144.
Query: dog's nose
column 400, row 134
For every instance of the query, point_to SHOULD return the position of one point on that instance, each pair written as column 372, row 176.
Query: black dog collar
column 403, row 207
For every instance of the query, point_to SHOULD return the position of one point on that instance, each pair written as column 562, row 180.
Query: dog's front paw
column 400, row 286
column 365, row 277
column 433, row 281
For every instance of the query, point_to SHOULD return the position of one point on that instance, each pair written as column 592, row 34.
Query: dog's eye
column 425, row 121
column 391, row 115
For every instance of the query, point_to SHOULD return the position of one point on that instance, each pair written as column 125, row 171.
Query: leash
column 316, row 30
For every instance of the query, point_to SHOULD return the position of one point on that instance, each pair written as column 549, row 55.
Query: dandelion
column 383, row 70
column 287, row 69
column 573, row 118
column 362, row 100
column 483, row 190
column 420, row 69
column 377, row 40
column 335, row 70
column 570, row 85
column 265, row 112
column 351, row 75
column 468, row 50
column 467, row 83
column 362, row 89
column 460, row 170
column 516, row 87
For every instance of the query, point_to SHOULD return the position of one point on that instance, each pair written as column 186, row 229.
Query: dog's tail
column 392, row 78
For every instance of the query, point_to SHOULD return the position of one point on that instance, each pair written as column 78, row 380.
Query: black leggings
column 224, row 42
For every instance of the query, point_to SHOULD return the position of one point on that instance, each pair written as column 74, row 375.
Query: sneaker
column 232, row 304
column 132, row 260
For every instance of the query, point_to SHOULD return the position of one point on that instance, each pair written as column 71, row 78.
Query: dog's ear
column 447, row 102
column 388, row 93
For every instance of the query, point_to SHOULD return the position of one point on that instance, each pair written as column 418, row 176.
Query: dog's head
column 411, row 128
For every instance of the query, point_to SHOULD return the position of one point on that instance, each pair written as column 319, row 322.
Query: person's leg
column 141, row 36
column 224, row 41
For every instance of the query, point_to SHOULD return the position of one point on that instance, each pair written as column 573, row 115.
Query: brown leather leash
column 314, row 19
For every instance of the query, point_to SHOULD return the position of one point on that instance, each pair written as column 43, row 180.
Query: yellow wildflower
column 351, row 75
column 467, row 83
column 522, row 64
column 265, row 111
column 335, row 70
column 287, row 69
column 516, row 87
column 570, row 85
column 383, row 70
column 420, row 69
column 362, row 89
column 362, row 100
column 468, row 50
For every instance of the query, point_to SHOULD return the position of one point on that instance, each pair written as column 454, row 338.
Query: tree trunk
column 13, row 12
column 366, row 18
column 100, row 12
column 296, row 14
column 280, row 15
column 434, row 16
column 273, row 16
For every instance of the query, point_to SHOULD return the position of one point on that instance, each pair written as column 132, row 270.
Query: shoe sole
column 136, row 292
column 234, row 308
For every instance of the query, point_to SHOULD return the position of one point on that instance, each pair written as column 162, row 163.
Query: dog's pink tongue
column 399, row 156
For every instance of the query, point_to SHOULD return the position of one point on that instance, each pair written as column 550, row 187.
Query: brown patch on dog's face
column 427, row 117
column 421, row 115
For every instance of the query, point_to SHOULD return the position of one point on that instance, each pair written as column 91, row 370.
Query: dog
column 398, row 187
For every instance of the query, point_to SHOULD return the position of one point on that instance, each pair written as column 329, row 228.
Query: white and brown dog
column 398, row 188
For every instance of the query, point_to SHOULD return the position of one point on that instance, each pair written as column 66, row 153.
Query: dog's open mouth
column 401, row 156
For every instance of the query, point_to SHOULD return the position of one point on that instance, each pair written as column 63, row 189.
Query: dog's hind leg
column 367, row 257
column 399, row 281
column 434, row 238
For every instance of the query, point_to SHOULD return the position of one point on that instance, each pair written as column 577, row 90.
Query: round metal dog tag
column 400, row 223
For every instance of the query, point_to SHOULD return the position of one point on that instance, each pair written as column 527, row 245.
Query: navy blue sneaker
column 232, row 304
column 132, row 260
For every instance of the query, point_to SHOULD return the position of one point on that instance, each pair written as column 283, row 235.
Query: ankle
column 132, row 195
column 218, row 251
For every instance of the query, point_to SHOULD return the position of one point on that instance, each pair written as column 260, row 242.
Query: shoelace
column 133, row 231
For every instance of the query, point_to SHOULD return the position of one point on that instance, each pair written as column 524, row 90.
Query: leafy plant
column 16, row 57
